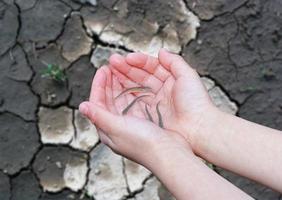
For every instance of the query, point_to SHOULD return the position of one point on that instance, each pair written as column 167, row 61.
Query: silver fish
column 134, row 89
column 132, row 103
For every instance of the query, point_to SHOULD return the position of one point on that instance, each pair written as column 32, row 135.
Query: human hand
column 130, row 135
column 166, row 153
column 184, row 102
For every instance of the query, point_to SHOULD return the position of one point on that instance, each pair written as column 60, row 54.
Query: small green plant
column 268, row 74
column 55, row 72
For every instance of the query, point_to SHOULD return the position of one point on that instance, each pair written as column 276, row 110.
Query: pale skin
column 192, row 126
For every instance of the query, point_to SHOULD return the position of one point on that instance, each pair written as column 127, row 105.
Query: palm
column 176, row 96
column 123, row 133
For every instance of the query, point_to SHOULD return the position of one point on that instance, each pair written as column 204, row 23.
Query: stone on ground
column 154, row 190
column 74, row 42
column 51, row 92
column 106, row 178
column 135, row 175
column 166, row 24
column 61, row 167
column 46, row 19
column 101, row 55
column 80, row 76
column 55, row 125
column 14, row 65
column 86, row 136
column 17, row 98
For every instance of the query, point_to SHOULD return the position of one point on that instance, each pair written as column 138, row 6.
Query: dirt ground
column 49, row 152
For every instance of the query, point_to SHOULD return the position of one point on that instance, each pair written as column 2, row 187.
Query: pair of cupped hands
column 184, row 105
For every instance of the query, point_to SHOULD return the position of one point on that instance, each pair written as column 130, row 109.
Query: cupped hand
column 184, row 101
column 131, row 135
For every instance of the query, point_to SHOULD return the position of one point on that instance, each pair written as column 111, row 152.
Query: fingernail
column 83, row 109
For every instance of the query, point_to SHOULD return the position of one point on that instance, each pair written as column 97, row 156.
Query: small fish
column 132, row 103
column 148, row 113
column 134, row 89
column 159, row 116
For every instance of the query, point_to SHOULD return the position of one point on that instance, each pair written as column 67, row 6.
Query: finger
column 165, row 93
column 148, row 63
column 109, row 91
column 97, row 94
column 106, row 121
column 121, row 102
column 137, row 75
column 126, row 83
column 105, row 139
column 175, row 64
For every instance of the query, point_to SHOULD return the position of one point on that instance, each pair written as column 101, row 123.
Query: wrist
column 209, row 124
column 168, row 149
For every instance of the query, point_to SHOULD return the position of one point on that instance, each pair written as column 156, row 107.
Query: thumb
column 174, row 63
column 103, row 119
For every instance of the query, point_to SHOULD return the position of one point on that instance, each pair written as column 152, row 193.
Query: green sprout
column 267, row 73
column 55, row 72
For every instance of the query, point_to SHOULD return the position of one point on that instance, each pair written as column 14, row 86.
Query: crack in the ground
column 88, row 156
column 33, row 6
column 66, row 3
column 223, row 13
column 29, row 166
column 98, row 41
column 54, row 41
column 74, row 127
column 19, row 20
column 229, row 46
column 10, row 188
column 34, row 74
column 224, row 90
column 238, row 104
column 125, row 175
column 29, row 83
column 19, row 116
column 133, row 194
column 190, row 9
column 18, row 29
column 87, row 175
column 43, row 145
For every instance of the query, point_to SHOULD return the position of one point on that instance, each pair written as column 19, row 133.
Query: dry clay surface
column 48, row 151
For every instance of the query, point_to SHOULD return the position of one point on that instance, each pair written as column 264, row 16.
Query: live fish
column 134, row 89
column 148, row 113
column 132, row 103
column 161, row 124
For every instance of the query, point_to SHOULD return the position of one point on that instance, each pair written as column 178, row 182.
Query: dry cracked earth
column 49, row 152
